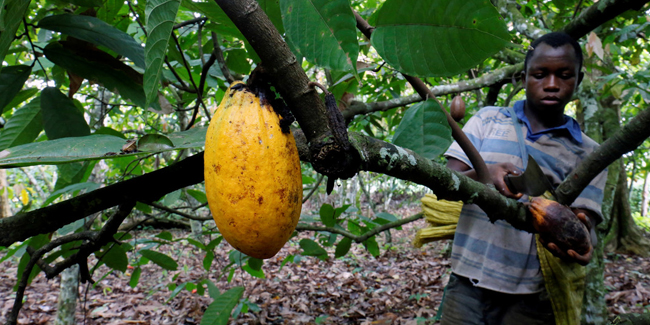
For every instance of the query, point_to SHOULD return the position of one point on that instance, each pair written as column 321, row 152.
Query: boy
column 496, row 276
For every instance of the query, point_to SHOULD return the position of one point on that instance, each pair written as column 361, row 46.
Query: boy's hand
column 498, row 173
column 571, row 255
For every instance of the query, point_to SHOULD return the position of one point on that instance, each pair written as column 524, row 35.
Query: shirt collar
column 570, row 125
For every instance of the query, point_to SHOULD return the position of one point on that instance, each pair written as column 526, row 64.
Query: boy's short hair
column 555, row 40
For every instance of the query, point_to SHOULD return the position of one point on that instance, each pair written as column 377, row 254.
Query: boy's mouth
column 550, row 100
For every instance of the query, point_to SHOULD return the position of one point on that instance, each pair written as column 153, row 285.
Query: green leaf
column 13, row 17
column 323, row 31
column 160, row 21
column 96, row 31
column 88, row 186
column 166, row 235
column 213, row 243
column 12, row 79
column 253, row 272
column 92, row 147
column 327, row 215
column 384, row 218
column 207, row 260
column 372, row 246
column 177, row 290
column 24, row 126
column 222, row 23
column 255, row 263
column 237, row 61
column 218, row 313
column 311, row 248
column 61, row 118
column 135, row 277
column 438, row 37
column 115, row 257
column 213, row 291
column 72, row 173
column 424, row 129
column 154, row 142
column 85, row 3
column 198, row 195
column 161, row 259
column 343, row 247
column 272, row 10
column 22, row 96
column 101, row 68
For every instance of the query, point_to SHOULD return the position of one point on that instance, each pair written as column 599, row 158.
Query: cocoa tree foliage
column 108, row 102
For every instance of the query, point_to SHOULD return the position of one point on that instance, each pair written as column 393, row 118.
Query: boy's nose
column 550, row 84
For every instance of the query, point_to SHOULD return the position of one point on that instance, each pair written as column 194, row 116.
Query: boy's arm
column 497, row 172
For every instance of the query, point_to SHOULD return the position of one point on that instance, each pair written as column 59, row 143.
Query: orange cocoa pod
column 556, row 223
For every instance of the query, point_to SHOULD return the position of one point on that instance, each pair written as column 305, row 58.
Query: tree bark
column 5, row 203
column 68, row 295
column 644, row 196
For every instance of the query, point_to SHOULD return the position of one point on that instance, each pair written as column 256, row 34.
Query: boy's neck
column 540, row 121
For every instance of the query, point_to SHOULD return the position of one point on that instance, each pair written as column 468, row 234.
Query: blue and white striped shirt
column 497, row 256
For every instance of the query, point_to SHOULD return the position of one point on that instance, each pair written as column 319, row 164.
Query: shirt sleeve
column 591, row 197
column 474, row 131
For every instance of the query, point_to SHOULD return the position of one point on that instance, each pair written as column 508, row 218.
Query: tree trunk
column 68, row 295
column 5, row 204
column 644, row 195
column 590, row 114
column 628, row 237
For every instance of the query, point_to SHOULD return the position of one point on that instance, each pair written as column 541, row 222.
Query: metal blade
column 532, row 182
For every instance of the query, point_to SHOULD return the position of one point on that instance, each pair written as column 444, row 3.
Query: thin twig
column 190, row 22
column 222, row 62
column 47, row 79
column 320, row 179
column 365, row 236
column 180, row 213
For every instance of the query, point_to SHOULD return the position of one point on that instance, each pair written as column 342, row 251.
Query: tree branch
column 457, row 133
column 146, row 188
column 95, row 241
column 600, row 13
column 628, row 138
column 486, row 80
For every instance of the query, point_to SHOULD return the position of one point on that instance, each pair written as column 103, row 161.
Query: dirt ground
column 404, row 285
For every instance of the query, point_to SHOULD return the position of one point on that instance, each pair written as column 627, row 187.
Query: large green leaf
column 160, row 21
column 114, row 75
column 438, row 37
column 424, row 129
column 92, row 147
column 12, row 80
column 61, row 118
column 218, row 313
column 272, row 9
column 322, row 31
column 24, row 126
column 13, row 16
column 220, row 22
column 161, row 259
column 115, row 257
column 96, row 31
column 311, row 248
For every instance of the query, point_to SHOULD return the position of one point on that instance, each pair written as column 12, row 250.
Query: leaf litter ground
column 404, row 285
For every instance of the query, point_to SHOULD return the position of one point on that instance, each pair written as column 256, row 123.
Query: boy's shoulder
column 589, row 143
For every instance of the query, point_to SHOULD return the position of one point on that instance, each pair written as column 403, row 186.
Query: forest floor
column 404, row 285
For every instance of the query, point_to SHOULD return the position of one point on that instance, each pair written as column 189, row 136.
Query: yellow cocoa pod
column 252, row 174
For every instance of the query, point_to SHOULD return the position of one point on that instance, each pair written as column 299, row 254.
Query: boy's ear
column 523, row 78
column 580, row 76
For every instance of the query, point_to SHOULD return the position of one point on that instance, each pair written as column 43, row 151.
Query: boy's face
column 551, row 77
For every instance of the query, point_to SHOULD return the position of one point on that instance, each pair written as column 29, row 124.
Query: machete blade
column 532, row 182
